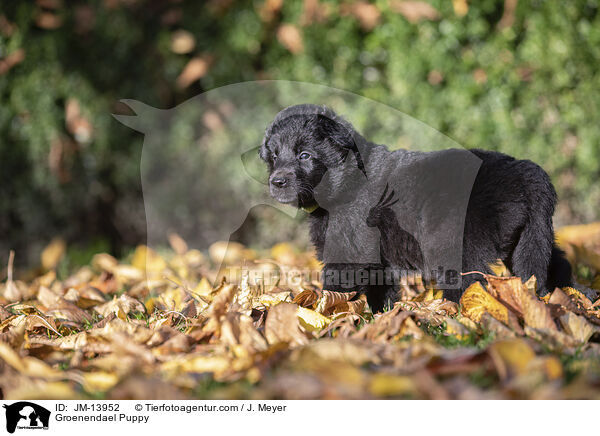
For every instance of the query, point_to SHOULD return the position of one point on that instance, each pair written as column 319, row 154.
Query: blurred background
column 514, row 76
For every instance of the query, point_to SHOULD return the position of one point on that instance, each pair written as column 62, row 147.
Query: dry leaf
column 578, row 327
column 283, row 325
column 290, row 37
column 53, row 253
column 512, row 357
column 194, row 70
column 15, row 58
column 476, row 301
column 415, row 11
column 182, row 42
column 461, row 7
column 329, row 299
column 367, row 14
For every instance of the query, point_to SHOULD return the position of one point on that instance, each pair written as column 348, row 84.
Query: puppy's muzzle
column 280, row 180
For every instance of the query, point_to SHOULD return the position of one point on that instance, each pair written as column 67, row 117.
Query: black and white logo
column 24, row 415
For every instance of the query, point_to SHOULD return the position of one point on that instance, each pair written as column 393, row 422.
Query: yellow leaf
column 29, row 366
column 146, row 259
column 284, row 252
column 53, row 253
column 455, row 328
column 461, row 7
column 311, row 320
column 515, row 356
column 41, row 390
column 204, row 288
column 476, row 301
column 274, row 299
column 386, row 385
column 99, row 381
column 214, row 364
column 499, row 269
column 227, row 252
column 552, row 367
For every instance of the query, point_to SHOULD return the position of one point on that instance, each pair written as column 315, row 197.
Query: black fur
column 508, row 217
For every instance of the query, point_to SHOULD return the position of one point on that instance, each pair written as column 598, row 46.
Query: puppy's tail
column 559, row 270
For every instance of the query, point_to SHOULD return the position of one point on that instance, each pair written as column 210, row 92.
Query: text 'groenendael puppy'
column 373, row 211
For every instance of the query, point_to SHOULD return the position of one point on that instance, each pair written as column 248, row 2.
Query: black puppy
column 372, row 209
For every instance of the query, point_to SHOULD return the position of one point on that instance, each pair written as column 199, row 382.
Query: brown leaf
column 194, row 70
column 512, row 292
column 578, row 327
column 60, row 308
column 290, row 37
column 558, row 296
column 270, row 9
column 415, row 11
column 238, row 329
column 330, row 298
column 308, row 298
column 282, row 325
column 385, row 327
column 357, row 306
column 314, row 11
column 511, row 357
column 177, row 243
column 77, row 125
column 535, row 312
column 15, row 58
column 367, row 14
column 48, row 20
column 53, row 253
column 121, row 306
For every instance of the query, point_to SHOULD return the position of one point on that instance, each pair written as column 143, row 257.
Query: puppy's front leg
column 368, row 279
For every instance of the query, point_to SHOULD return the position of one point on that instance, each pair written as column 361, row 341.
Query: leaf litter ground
column 155, row 328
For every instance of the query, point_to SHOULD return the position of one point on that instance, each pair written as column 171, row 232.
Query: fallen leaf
column 182, row 42
column 311, row 320
column 290, row 37
column 476, row 301
column 512, row 356
column 283, row 325
column 194, row 70
column 578, row 327
column 53, row 253
column 415, row 11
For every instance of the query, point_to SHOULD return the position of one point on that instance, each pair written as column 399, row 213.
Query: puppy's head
column 302, row 143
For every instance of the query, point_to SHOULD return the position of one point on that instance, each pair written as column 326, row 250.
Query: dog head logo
column 26, row 415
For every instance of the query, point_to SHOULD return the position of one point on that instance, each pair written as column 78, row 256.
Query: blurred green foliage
column 524, row 83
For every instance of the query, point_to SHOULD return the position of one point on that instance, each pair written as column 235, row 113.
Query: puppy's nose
column 280, row 182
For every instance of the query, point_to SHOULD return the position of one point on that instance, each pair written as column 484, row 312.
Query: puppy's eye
column 274, row 155
column 304, row 155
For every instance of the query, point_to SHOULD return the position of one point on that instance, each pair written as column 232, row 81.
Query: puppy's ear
column 340, row 134
column 263, row 151
column 335, row 132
